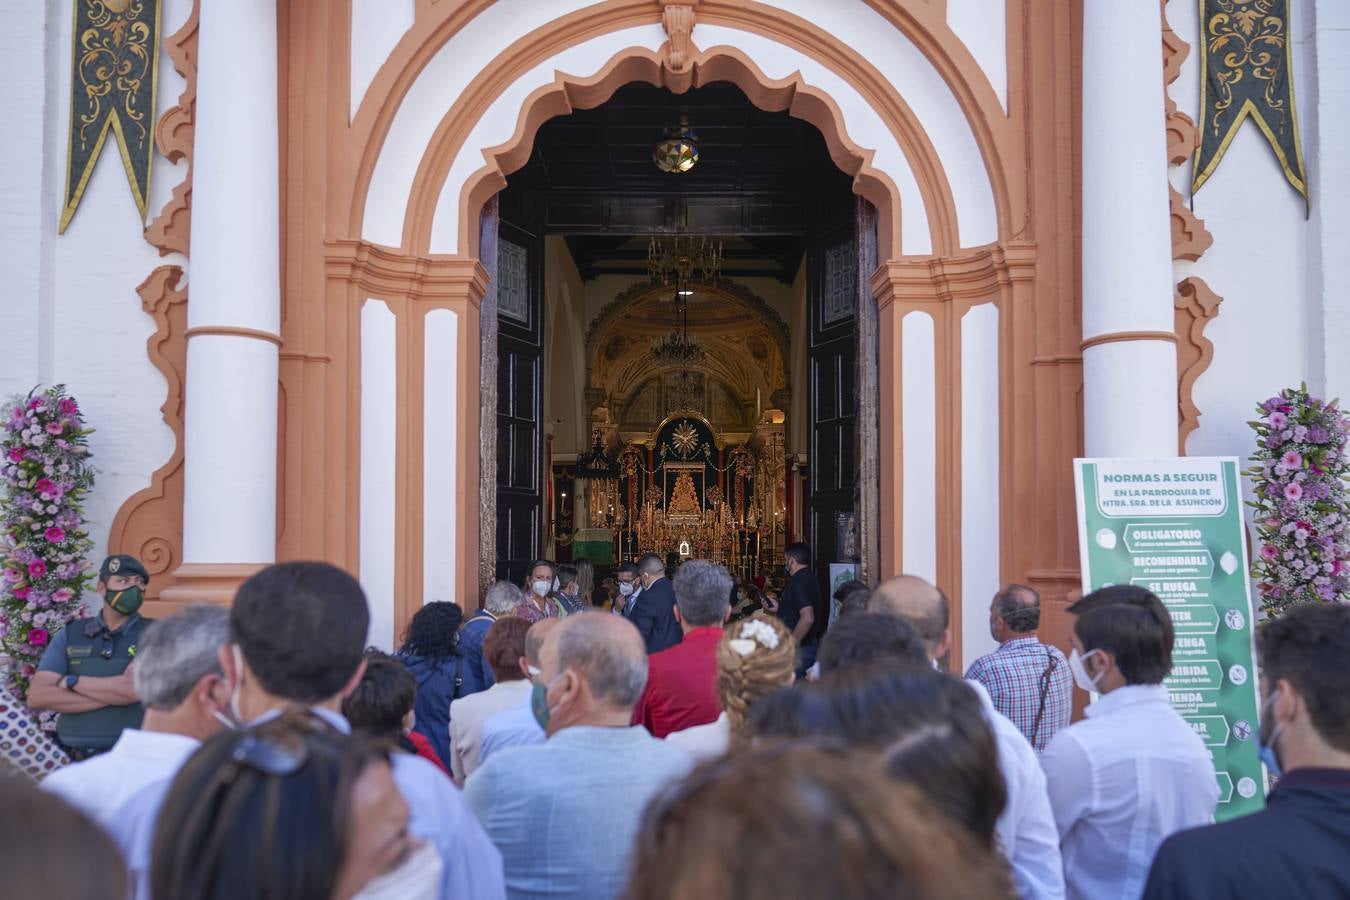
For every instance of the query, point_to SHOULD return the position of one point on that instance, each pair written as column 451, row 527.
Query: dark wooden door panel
column 519, row 397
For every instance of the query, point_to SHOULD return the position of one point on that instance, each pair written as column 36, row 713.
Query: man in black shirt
column 797, row 607
column 1299, row 845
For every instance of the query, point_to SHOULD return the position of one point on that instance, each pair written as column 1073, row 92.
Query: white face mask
column 238, row 683
column 541, row 588
column 419, row 878
column 1080, row 676
column 626, row 588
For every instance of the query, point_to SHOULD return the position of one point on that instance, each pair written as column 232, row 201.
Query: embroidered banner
column 114, row 75
column 1246, row 70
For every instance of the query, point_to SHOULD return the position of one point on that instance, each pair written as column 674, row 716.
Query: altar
column 686, row 493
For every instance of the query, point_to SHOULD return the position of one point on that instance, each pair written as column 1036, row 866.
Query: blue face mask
column 539, row 702
column 1266, row 746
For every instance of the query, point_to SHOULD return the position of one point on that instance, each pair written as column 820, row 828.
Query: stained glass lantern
column 676, row 154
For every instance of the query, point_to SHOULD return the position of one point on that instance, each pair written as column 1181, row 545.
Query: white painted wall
column 71, row 310
column 377, row 26
column 440, row 437
column 918, row 445
column 1285, row 279
column 379, row 411
column 980, row 477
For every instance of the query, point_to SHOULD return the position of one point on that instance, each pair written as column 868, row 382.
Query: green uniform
column 87, row 648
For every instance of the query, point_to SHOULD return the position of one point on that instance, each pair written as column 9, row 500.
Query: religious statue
column 684, row 499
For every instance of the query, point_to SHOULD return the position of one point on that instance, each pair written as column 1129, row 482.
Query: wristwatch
column 69, row 681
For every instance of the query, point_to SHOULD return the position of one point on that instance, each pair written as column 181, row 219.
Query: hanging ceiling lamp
column 678, row 153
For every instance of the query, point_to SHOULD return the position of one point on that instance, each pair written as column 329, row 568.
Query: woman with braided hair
column 755, row 658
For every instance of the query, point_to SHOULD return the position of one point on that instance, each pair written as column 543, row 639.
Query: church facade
column 296, row 358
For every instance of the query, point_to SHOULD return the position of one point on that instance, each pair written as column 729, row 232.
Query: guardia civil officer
column 85, row 672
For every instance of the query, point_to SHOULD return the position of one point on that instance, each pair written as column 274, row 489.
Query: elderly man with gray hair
column 502, row 599
column 531, row 800
column 178, row 678
column 682, row 681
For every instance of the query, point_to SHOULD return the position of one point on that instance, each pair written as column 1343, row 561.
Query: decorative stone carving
column 170, row 230
column 1181, row 134
column 1190, row 237
column 678, row 20
column 1196, row 305
column 149, row 525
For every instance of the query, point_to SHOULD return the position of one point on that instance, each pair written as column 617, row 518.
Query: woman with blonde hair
column 585, row 580
column 755, row 658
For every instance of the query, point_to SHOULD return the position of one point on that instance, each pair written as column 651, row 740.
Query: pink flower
column 12, row 575
column 37, row 568
column 1293, row 491
column 55, row 535
column 1278, row 420
column 1292, row 460
column 44, row 486
column 29, row 670
column 38, row 637
column 1268, row 552
column 62, row 595
column 68, row 407
column 54, row 428
column 17, row 454
column 21, row 593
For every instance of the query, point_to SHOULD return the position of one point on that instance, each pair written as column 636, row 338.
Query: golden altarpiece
column 687, row 457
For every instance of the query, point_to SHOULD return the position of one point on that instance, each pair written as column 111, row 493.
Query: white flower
column 742, row 646
column 760, row 631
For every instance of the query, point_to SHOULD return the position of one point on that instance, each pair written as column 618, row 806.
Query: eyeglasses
column 271, row 757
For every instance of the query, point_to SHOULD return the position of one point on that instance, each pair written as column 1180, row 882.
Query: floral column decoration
column 1301, row 515
column 43, row 540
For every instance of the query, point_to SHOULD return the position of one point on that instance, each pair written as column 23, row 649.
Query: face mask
column 419, row 878
column 541, row 588
column 1266, row 746
column 238, row 682
column 539, row 702
column 1080, row 676
column 626, row 588
column 125, row 601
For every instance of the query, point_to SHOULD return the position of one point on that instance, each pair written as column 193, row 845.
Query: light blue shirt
column 514, row 727
column 531, row 800
column 437, row 812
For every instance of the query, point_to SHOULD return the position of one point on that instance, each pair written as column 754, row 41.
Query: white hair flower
column 754, row 631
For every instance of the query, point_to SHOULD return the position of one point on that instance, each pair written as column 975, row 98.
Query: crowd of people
column 658, row 739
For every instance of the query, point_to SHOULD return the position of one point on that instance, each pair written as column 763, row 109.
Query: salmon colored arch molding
column 566, row 94
column 995, row 133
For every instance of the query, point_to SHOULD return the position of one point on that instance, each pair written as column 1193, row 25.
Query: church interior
column 677, row 278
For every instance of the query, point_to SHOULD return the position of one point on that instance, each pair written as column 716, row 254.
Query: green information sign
column 1175, row 526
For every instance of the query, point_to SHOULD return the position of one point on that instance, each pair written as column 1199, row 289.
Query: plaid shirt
column 1014, row 675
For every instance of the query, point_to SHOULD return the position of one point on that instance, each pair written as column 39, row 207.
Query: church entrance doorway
column 684, row 341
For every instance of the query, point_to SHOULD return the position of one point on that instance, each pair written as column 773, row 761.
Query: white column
column 230, row 423
column 1129, row 369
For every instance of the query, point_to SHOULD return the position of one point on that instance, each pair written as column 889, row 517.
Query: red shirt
column 425, row 750
column 681, row 687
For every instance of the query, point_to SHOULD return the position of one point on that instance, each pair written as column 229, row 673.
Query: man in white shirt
column 178, row 678
column 504, row 651
column 1026, row 828
column 1133, row 772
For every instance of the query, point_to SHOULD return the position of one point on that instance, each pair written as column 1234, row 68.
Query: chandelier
column 683, row 258
column 678, row 349
column 596, row 464
column 678, row 153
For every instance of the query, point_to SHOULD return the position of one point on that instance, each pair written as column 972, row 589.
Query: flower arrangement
column 751, row 632
column 44, row 460
column 1301, row 519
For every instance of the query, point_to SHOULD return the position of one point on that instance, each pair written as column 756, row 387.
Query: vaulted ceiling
column 761, row 177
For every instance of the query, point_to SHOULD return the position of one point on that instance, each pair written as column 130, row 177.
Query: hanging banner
column 1175, row 527
column 114, row 75
column 1246, row 69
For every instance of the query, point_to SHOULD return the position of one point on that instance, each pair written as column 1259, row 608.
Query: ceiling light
column 678, row 153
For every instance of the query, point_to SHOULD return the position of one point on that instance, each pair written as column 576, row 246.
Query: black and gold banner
column 1246, row 70
column 114, row 75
